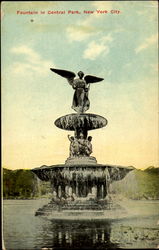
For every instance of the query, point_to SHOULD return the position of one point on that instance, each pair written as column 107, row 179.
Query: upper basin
column 77, row 121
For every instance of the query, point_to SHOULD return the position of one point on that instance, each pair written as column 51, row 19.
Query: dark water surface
column 23, row 230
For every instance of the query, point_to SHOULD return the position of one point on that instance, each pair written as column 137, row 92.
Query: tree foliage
column 21, row 184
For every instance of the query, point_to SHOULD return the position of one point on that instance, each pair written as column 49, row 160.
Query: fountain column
column 94, row 191
column 70, row 191
column 102, row 191
column 63, row 193
column 66, row 190
column 77, row 188
column 59, row 191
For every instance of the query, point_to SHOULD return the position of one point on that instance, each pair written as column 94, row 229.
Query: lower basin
column 83, row 170
column 81, row 190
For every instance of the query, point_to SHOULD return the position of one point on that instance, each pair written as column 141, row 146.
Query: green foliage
column 139, row 184
column 19, row 184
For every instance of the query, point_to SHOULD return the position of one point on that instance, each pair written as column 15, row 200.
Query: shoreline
column 48, row 198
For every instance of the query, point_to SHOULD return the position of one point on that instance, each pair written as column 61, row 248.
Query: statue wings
column 63, row 73
column 92, row 79
column 71, row 75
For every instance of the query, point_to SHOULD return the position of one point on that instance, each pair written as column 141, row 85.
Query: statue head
column 80, row 74
column 81, row 136
column 89, row 138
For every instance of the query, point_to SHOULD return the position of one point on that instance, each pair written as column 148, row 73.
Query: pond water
column 23, row 230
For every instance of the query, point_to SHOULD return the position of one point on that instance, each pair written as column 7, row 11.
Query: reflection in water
column 77, row 235
column 23, row 230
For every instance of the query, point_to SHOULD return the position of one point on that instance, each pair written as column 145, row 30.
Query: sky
column 119, row 46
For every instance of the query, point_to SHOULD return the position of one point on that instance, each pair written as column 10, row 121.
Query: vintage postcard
column 80, row 124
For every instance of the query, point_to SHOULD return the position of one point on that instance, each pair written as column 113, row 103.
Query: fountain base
column 82, row 210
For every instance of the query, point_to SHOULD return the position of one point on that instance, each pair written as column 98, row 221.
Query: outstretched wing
column 64, row 73
column 92, row 79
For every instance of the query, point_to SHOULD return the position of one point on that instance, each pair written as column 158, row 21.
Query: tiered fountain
column 81, row 185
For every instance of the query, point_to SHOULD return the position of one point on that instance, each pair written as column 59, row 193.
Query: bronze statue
column 80, row 102
column 80, row 147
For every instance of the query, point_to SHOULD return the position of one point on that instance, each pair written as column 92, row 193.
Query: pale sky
column 121, row 48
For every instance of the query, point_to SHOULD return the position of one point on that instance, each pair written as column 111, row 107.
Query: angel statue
column 81, row 86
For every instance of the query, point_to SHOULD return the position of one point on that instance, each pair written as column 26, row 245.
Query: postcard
column 80, row 124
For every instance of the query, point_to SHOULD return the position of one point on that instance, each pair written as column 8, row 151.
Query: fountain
column 80, row 187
